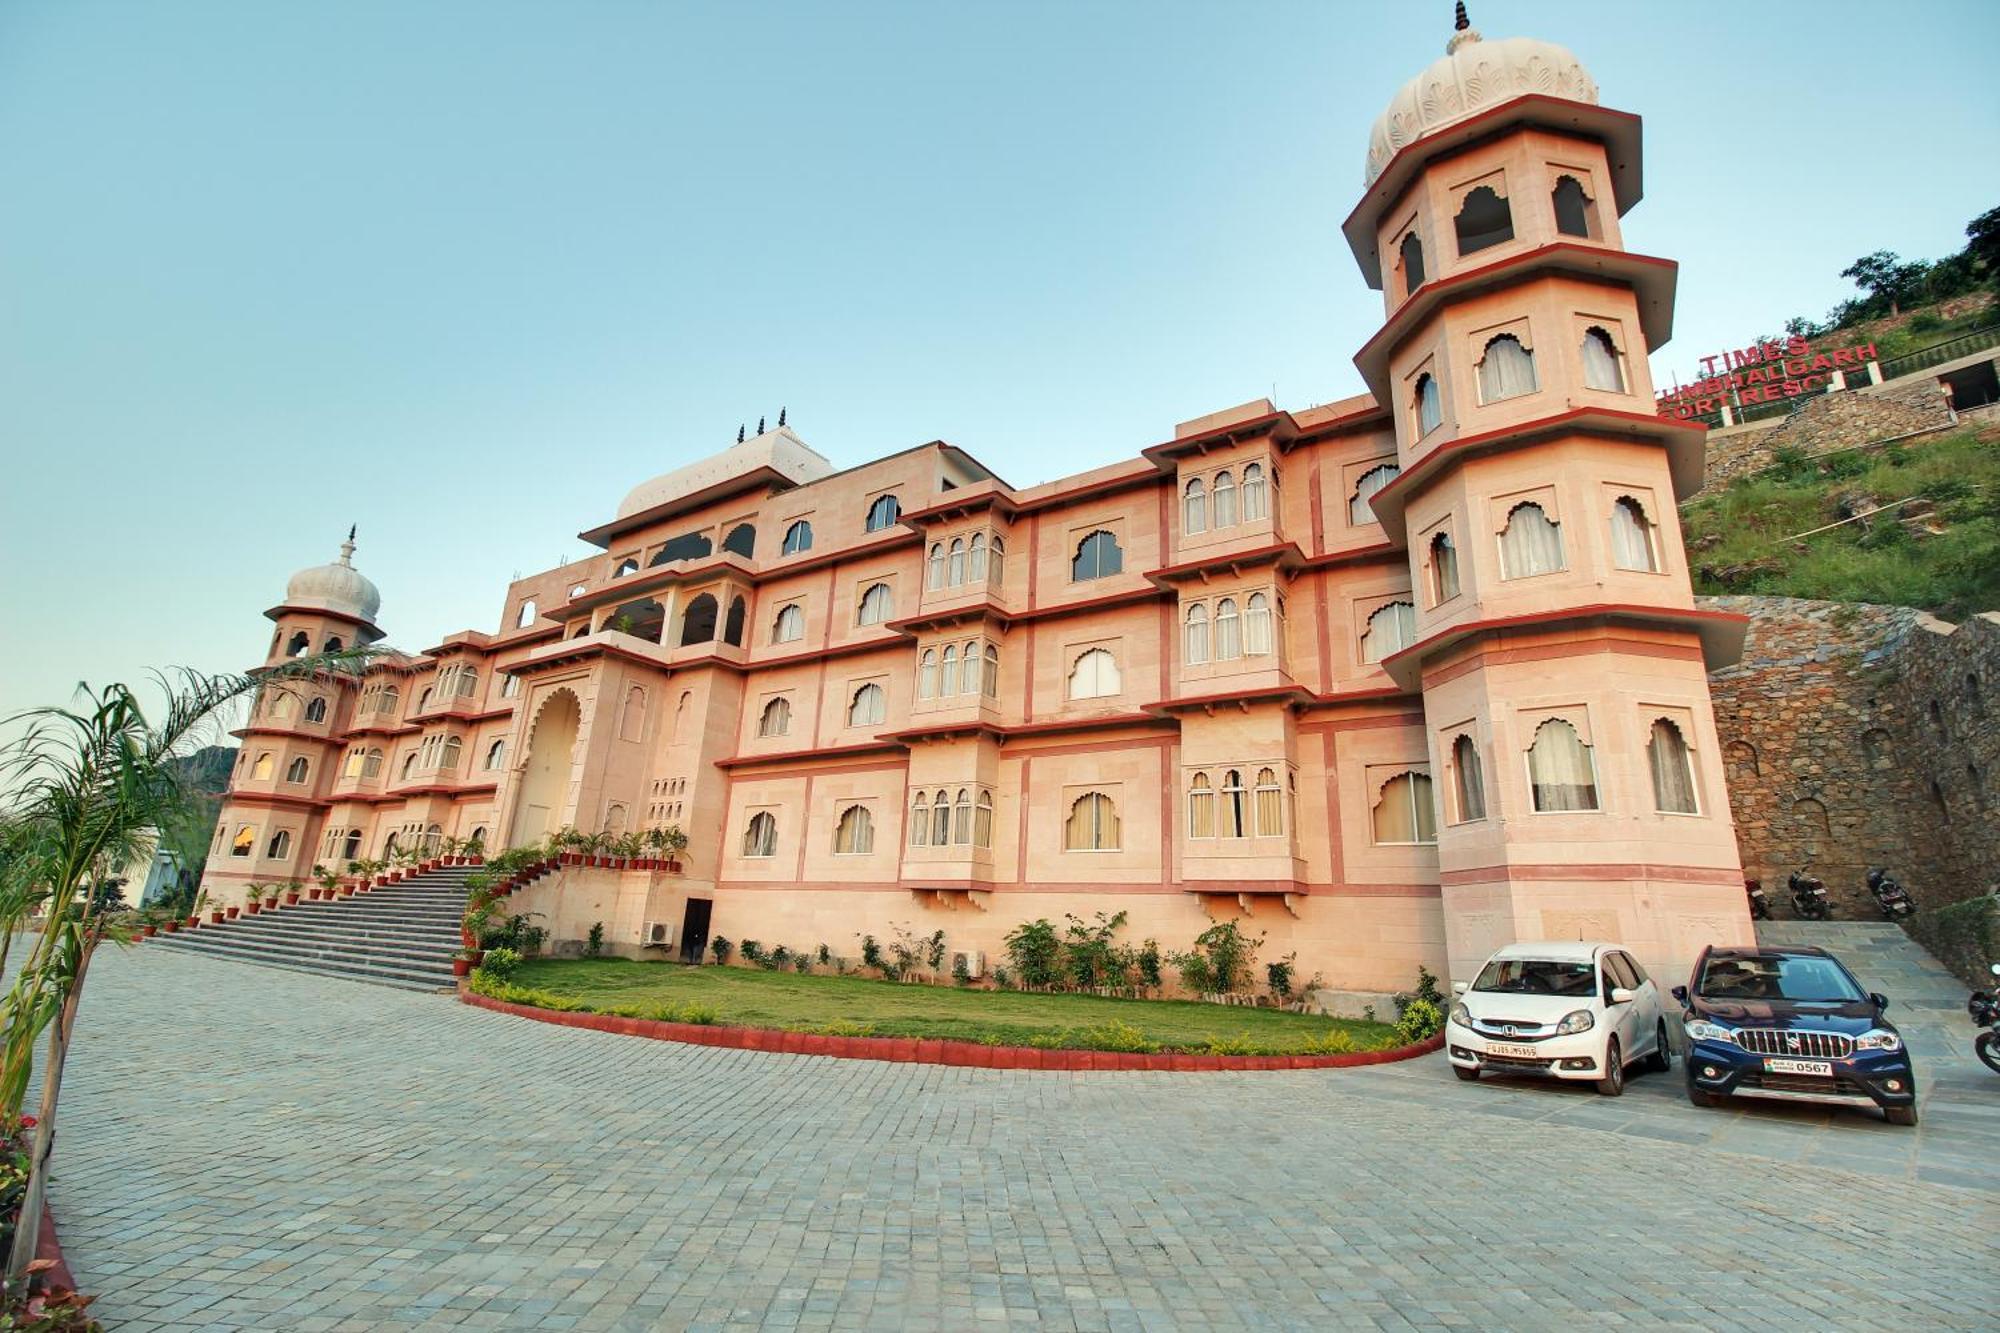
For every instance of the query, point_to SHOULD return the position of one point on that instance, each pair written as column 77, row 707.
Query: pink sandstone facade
column 1394, row 680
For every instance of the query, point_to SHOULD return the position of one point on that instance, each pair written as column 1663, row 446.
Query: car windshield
column 1804, row 979
column 1537, row 976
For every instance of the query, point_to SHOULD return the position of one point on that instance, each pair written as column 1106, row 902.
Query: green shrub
column 1421, row 1021
column 845, row 1027
column 1278, row 976
column 752, row 951
column 871, row 953
column 1337, row 1042
column 1240, row 1044
column 1116, row 1035
column 1220, row 961
column 500, row 964
column 594, row 946
column 1035, row 952
column 721, row 948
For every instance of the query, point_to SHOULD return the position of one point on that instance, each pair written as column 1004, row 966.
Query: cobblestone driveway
column 344, row 1157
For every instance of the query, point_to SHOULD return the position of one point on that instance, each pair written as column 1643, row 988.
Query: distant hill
column 207, row 772
column 207, row 769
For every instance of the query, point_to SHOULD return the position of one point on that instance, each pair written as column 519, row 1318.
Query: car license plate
column 1822, row 1068
column 1516, row 1052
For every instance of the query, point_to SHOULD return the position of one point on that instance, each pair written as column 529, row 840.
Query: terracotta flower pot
column 231, row 913
column 673, row 866
column 271, row 903
column 347, row 890
column 145, row 931
column 215, row 918
column 252, row 907
column 291, row 898
column 461, row 967
column 193, row 921
column 170, row 926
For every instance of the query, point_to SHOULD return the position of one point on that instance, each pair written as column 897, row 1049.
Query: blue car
column 1792, row 1025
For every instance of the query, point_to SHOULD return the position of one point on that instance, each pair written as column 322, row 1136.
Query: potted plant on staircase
column 292, row 888
column 465, row 960
column 329, row 883
column 253, row 903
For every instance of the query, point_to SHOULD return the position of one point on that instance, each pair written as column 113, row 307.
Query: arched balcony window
column 934, row 574
column 1270, row 804
column 1483, row 220
column 297, row 770
column 878, row 603
column 264, row 767
column 1576, row 213
column 1222, row 496
column 1235, row 806
column 1092, row 825
column 920, row 821
column 1257, row 626
column 1201, row 807
column 1195, row 651
column 776, row 718
column 1560, row 770
column 300, row 645
column 1672, row 766
column 1444, row 569
column 854, row 834
column 1411, row 252
column 941, row 819
column 948, row 683
column 698, row 621
column 884, row 512
column 1530, row 544
column 798, row 537
column 1097, row 557
column 1601, row 368
column 732, row 624
column 866, row 708
column 526, row 616
column 961, row 819
column 790, row 625
column 1632, row 537
column 742, row 539
column 989, row 678
column 1429, row 404
column 244, row 842
column 1391, row 628
column 626, row 567
column 496, row 756
column 1405, row 811
column 927, row 674
column 975, row 560
column 279, row 847
column 316, row 711
column 1506, row 370
column 955, row 569
column 1094, row 675
column 1256, row 498
column 1360, row 505
column 449, row 756
column 982, row 825
column 760, row 838
column 1228, row 631
column 1194, row 506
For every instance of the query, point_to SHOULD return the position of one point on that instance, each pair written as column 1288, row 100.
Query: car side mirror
column 1881, row 1001
column 1681, row 993
column 1623, row 995
column 1459, row 987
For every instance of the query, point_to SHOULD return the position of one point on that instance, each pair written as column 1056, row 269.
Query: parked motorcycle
column 1809, row 897
column 1760, row 906
column 1894, row 900
column 1985, row 1011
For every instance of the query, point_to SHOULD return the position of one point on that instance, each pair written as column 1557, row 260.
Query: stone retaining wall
column 1827, row 423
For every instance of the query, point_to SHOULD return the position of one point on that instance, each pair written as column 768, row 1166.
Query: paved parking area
column 313, row 1154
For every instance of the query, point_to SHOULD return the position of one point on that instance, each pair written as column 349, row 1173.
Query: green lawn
column 854, row 1006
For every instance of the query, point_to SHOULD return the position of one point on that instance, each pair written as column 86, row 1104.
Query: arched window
column 424, row 699
column 371, row 767
column 1256, row 499
column 300, row 645
column 1094, row 675
column 776, row 718
column 1404, row 811
column 296, row 770
column 742, row 539
column 278, row 706
column 1360, row 505
column 1444, row 569
column 698, row 621
column 1235, row 807
column 968, row 669
column 1600, row 362
column 877, row 605
column 632, row 718
column 982, row 825
column 1270, row 804
column 392, row 696
column 1483, row 220
column 409, row 765
column 1195, row 651
column 1560, row 770
column 1468, row 780
column 865, row 709
column 1530, row 544
column 996, row 562
column 1506, row 369
column 760, row 838
column 1222, row 493
column 1392, row 627
column 798, row 537
column 1412, row 252
column 732, row 624
column 526, row 616
column 1097, row 557
column 920, row 821
column 316, row 711
column 1092, row 825
column 948, row 685
column 1574, row 209
column 332, row 644
column 1194, row 506
column 941, row 819
column 927, row 674
column 1257, row 626
column 955, row 572
column 351, row 766
column 854, row 834
column 884, row 512
column 975, row 562
column 1673, row 770
column 244, row 841
column 449, row 757
column 280, row 845
column 687, row 546
column 790, row 625
column 1429, row 404
column 1201, row 807
column 1631, row 536
column 989, row 679
column 350, row 847
column 1228, row 631
column 934, row 573
column 264, row 767
column 628, row 566
column 496, row 755
column 961, row 819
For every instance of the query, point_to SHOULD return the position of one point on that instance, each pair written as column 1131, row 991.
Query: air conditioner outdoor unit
column 975, row 962
column 659, row 935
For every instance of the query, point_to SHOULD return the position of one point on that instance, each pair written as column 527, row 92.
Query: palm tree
column 87, row 785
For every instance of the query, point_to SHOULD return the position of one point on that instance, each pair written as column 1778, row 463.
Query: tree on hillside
column 1983, row 236
column 1888, row 278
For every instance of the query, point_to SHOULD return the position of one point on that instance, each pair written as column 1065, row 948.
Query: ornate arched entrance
column 545, row 771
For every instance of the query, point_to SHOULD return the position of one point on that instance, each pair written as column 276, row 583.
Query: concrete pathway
column 318, row 1154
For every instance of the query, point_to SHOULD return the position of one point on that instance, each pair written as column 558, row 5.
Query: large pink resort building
column 1393, row 680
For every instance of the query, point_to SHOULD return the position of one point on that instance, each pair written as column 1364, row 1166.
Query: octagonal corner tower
column 1558, row 649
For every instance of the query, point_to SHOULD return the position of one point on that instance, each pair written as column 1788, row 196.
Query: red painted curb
column 58, row 1277
column 930, row 1051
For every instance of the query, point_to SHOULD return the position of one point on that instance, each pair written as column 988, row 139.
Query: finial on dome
column 739, row 435
column 1462, row 31
column 781, row 417
column 760, row 425
column 347, row 548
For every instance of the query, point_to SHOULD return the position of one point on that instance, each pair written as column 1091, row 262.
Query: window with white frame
column 1256, row 497
column 1257, row 637
column 1194, row 506
column 1228, row 631
column 1094, row 675
column 1194, row 650
column 1201, row 807
column 1222, row 494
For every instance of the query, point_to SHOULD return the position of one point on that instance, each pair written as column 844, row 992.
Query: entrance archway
column 545, row 772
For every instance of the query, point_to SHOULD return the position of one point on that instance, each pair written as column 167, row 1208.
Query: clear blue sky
column 465, row 272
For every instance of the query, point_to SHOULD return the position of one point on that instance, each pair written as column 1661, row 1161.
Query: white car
column 1558, row 1009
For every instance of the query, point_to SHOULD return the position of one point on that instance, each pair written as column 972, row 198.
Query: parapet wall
column 1858, row 735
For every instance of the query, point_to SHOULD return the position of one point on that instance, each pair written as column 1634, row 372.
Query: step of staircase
column 400, row 935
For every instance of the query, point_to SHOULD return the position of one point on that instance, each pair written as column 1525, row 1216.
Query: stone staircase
column 396, row 935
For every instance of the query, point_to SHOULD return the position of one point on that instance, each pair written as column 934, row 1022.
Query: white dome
column 1472, row 75
column 338, row 587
